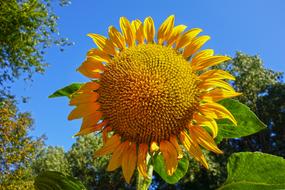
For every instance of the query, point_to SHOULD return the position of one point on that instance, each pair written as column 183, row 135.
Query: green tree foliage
column 79, row 162
column 27, row 28
column 51, row 159
column 17, row 149
column 92, row 171
column 271, row 109
column 262, row 92
column 252, row 78
column 82, row 162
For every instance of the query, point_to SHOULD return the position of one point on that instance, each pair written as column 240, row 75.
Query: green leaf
column 247, row 122
column 66, row 91
column 255, row 171
column 160, row 168
column 51, row 180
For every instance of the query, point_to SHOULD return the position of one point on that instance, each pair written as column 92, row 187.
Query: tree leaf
column 160, row 168
column 255, row 171
column 247, row 122
column 66, row 91
column 50, row 180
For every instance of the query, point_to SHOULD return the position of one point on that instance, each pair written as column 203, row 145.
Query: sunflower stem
column 143, row 183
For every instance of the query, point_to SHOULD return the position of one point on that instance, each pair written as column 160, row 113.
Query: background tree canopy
column 27, row 28
column 18, row 149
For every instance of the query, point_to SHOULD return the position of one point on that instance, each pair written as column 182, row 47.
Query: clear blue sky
column 250, row 26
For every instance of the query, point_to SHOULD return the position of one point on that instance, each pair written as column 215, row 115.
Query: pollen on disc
column 148, row 92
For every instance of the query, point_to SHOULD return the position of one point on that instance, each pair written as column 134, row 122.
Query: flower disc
column 148, row 93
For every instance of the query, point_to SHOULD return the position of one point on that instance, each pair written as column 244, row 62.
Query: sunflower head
column 150, row 95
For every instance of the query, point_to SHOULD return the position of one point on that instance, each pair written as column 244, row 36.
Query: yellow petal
column 207, row 122
column 103, row 44
column 193, row 148
column 117, row 38
column 149, row 29
column 142, row 165
column 89, row 73
column 165, row 29
column 129, row 162
column 99, row 55
column 209, row 62
column 88, row 87
column 218, row 94
column 84, row 98
column 187, row 37
column 91, row 120
column 83, row 110
column 138, row 28
column 127, row 31
column 202, row 55
column 116, row 159
column 199, row 135
column 92, row 64
column 211, row 84
column 170, row 156
column 110, row 146
column 177, row 30
column 195, row 45
column 173, row 140
column 220, row 111
column 91, row 129
column 212, row 125
column 216, row 75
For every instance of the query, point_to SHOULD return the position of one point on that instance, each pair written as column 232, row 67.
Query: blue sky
column 250, row 26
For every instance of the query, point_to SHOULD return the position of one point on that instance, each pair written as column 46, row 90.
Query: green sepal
column 66, row 91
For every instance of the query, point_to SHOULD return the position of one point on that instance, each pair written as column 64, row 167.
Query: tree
column 271, row 109
column 51, row 159
column 252, row 79
column 79, row 162
column 27, row 28
column 17, row 149
column 255, row 81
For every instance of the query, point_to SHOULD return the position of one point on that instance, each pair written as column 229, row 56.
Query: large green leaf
column 160, row 168
column 247, row 122
column 51, row 180
column 66, row 91
column 255, row 171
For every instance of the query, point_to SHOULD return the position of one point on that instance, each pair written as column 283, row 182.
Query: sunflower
column 151, row 95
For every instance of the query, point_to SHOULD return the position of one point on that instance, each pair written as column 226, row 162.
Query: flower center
column 148, row 93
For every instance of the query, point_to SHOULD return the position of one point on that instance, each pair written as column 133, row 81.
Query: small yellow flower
column 152, row 95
